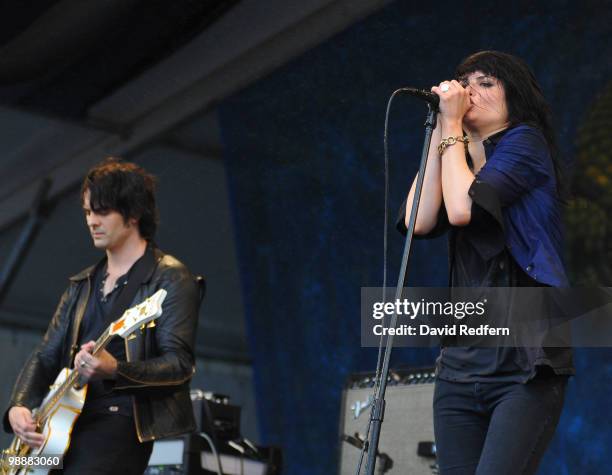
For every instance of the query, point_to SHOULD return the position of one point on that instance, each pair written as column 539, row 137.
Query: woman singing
column 493, row 181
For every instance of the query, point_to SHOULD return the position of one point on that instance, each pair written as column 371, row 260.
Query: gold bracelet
column 447, row 142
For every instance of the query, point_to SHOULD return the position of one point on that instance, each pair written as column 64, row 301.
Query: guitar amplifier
column 191, row 455
column 218, row 423
column 406, row 444
column 215, row 415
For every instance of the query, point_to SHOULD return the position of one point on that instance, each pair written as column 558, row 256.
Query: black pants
column 105, row 444
column 495, row 428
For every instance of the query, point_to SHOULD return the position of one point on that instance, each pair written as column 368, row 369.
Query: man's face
column 108, row 229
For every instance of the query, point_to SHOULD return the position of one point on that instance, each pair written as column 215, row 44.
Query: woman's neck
column 480, row 135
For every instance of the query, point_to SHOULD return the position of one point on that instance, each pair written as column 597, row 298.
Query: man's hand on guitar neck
column 24, row 427
column 101, row 366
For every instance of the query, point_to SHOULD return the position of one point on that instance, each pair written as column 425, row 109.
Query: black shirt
column 469, row 269
column 479, row 257
column 100, row 396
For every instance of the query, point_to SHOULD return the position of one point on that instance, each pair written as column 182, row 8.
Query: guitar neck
column 58, row 393
column 139, row 315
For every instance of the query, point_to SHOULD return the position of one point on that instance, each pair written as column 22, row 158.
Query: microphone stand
column 378, row 405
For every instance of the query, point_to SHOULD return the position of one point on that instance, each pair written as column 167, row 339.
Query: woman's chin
column 469, row 121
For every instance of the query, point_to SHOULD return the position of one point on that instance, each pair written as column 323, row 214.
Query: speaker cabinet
column 406, row 440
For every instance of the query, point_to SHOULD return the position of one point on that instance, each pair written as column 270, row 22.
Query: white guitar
column 61, row 407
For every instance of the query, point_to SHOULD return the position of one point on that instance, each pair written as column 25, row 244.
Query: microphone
column 428, row 96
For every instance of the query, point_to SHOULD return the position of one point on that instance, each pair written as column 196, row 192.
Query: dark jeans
column 105, row 444
column 495, row 428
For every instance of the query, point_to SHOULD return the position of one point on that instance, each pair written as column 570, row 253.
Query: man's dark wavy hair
column 524, row 98
column 126, row 188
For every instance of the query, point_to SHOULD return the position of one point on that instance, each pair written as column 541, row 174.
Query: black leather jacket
column 160, row 359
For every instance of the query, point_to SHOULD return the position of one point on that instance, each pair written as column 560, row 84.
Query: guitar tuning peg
column 142, row 327
column 151, row 324
column 131, row 337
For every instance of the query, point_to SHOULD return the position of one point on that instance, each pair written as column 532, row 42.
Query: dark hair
column 126, row 188
column 524, row 98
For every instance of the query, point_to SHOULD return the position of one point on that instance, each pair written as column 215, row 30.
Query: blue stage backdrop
column 305, row 166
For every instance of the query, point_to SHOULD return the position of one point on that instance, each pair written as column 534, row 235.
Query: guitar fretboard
column 71, row 380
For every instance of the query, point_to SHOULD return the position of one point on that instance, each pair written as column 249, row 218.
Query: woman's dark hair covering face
column 126, row 188
column 525, row 101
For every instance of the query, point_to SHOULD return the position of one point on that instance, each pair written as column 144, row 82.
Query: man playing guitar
column 138, row 388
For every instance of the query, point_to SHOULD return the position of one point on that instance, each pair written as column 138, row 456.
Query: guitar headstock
column 144, row 312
